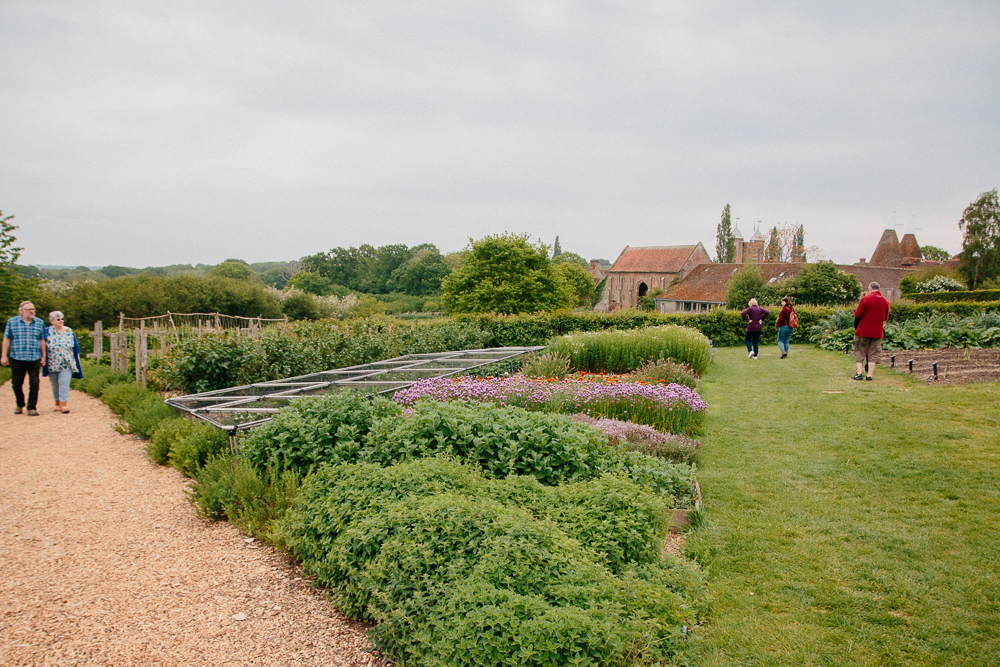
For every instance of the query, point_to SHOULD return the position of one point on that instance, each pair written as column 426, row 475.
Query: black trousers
column 18, row 369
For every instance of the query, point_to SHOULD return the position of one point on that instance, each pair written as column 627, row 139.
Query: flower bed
column 669, row 408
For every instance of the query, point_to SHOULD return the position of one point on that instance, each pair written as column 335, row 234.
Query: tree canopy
column 980, row 225
column 236, row 269
column 725, row 241
column 822, row 284
column 746, row 284
column 14, row 288
column 934, row 253
column 506, row 274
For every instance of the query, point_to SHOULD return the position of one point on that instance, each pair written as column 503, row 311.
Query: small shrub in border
column 144, row 414
column 455, row 575
column 666, row 371
column 314, row 430
column 166, row 436
column 194, row 449
column 645, row 439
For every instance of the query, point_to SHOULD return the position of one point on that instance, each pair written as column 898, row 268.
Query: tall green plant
column 625, row 351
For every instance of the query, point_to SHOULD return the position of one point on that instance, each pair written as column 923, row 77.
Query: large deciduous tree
column 822, row 284
column 746, row 284
column 980, row 225
column 725, row 241
column 505, row 274
column 934, row 253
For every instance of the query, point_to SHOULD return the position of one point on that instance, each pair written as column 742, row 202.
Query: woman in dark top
column 784, row 325
column 754, row 315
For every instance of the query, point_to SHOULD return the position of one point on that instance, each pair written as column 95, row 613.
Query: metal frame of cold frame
column 241, row 408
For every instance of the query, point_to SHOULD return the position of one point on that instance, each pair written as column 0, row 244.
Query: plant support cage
column 240, row 408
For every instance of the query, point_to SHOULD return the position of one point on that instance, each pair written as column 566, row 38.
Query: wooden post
column 122, row 351
column 98, row 337
column 138, row 351
column 218, row 326
column 173, row 327
column 114, row 351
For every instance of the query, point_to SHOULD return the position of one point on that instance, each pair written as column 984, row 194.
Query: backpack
column 793, row 319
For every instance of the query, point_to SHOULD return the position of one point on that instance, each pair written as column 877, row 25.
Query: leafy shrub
column 501, row 442
column 252, row 500
column 314, row 430
column 119, row 397
column 666, row 371
column 166, row 436
column 625, row 351
column 939, row 284
column 192, row 451
column 927, row 329
column 980, row 295
column 144, row 415
column 460, row 570
column 4, row 374
column 96, row 377
column 547, row 365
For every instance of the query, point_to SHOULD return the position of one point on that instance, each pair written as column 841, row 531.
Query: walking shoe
column 750, row 356
column 784, row 354
column 869, row 378
column 18, row 410
column 859, row 376
column 32, row 413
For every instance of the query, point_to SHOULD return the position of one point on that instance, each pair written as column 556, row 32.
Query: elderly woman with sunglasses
column 63, row 360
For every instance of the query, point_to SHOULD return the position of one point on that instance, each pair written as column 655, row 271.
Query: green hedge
column 983, row 296
column 460, row 570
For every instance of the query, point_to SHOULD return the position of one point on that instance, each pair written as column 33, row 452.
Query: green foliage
column 205, row 364
column 822, row 284
column 253, row 500
column 577, row 280
column 625, row 351
column 236, row 269
column 415, row 271
column 422, row 274
column 980, row 295
column 939, row 284
column 166, row 436
column 146, row 295
column 928, row 329
column 121, row 396
column 192, row 451
column 546, row 365
column 96, row 378
column 143, row 414
column 505, row 274
column 980, row 225
column 934, row 253
column 502, row 442
column 315, row 430
column 300, row 306
column 14, row 287
column 746, row 284
column 725, row 241
column 4, row 374
column 459, row 570
column 313, row 283
column 666, row 371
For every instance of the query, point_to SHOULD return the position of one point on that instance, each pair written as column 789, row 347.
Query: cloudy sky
column 153, row 133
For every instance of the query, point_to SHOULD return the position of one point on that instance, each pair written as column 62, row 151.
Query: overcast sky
column 153, row 133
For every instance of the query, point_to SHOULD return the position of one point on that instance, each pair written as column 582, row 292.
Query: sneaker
column 32, row 413
column 750, row 356
column 18, row 410
column 783, row 355
column 869, row 378
column 859, row 376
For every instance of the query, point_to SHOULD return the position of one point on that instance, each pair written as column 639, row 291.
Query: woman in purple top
column 754, row 315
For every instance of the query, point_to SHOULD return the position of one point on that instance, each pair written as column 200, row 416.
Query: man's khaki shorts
column 867, row 347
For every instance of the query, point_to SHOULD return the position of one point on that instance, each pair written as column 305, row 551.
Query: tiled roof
column 887, row 252
column 654, row 259
column 909, row 247
column 885, row 276
column 707, row 282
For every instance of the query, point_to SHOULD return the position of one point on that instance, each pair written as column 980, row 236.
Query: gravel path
column 102, row 561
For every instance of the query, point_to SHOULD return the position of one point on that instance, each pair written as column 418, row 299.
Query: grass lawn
column 847, row 523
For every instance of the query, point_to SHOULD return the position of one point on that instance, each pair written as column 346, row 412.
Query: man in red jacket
column 869, row 317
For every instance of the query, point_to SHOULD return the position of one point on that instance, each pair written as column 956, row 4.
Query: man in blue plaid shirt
column 24, row 351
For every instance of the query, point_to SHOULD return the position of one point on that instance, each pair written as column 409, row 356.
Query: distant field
column 848, row 523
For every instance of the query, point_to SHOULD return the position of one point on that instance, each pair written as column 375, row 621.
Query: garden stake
column 892, row 361
column 911, row 365
column 935, row 369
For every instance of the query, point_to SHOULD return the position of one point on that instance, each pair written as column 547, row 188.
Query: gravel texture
column 102, row 561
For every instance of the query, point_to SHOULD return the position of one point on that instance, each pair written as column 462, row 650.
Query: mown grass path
column 848, row 523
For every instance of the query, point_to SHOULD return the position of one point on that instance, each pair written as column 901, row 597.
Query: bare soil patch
column 954, row 366
column 102, row 561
